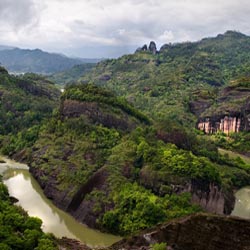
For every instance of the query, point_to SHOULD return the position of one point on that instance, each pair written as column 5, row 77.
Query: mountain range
column 18, row 60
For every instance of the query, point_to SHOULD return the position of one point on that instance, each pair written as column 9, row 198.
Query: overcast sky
column 109, row 28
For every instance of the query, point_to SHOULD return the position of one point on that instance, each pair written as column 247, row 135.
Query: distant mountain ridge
column 37, row 61
column 4, row 47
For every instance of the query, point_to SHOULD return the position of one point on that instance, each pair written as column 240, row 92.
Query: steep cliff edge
column 97, row 114
column 229, row 112
column 69, row 159
column 210, row 196
column 213, row 199
column 195, row 232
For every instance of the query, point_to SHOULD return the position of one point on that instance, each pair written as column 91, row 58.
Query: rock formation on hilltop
column 151, row 48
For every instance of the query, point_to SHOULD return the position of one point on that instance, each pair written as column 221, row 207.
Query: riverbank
column 30, row 196
column 18, row 173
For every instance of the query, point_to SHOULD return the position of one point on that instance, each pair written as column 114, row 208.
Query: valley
column 23, row 186
column 136, row 143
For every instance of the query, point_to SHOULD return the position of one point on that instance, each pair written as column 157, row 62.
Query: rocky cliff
column 151, row 48
column 229, row 112
column 195, row 232
column 208, row 195
column 70, row 158
column 211, row 197
column 226, row 124
column 97, row 114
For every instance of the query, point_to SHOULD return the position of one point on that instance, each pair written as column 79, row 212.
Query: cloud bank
column 112, row 27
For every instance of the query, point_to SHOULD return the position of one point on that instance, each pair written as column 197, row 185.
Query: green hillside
column 120, row 150
column 101, row 160
column 18, row 230
column 165, row 82
column 71, row 75
column 26, row 102
column 37, row 61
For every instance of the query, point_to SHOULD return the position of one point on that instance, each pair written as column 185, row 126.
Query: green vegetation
column 71, row 75
column 163, row 85
column 235, row 156
column 18, row 230
column 127, row 150
column 239, row 142
column 143, row 166
column 159, row 246
column 25, row 102
column 37, row 61
column 72, row 144
column 91, row 93
column 137, row 208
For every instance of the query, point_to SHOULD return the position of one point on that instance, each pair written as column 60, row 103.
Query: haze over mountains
column 37, row 61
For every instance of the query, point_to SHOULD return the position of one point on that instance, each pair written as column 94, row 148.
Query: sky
column 110, row 28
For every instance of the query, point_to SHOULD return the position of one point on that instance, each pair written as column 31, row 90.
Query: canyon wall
column 225, row 124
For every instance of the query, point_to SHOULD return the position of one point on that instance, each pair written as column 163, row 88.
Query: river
column 242, row 203
column 25, row 188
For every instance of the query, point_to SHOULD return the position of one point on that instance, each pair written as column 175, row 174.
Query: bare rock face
column 195, row 232
column 226, row 110
column 211, row 197
column 247, row 116
column 208, row 195
column 82, row 209
column 96, row 114
column 226, row 125
column 143, row 48
column 152, row 47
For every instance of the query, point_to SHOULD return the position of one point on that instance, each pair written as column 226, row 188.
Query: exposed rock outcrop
column 195, row 232
column 71, row 244
column 143, row 48
column 82, row 209
column 229, row 112
column 209, row 196
column 97, row 114
column 151, row 48
column 226, row 125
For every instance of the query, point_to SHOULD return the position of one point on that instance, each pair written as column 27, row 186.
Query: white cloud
column 59, row 24
column 167, row 36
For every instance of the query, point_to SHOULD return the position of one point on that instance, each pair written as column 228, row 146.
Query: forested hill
column 25, row 102
column 37, row 61
column 125, row 155
column 168, row 80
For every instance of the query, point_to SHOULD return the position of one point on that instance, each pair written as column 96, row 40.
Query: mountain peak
column 233, row 34
column 151, row 48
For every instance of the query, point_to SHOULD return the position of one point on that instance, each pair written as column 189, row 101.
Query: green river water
column 25, row 188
